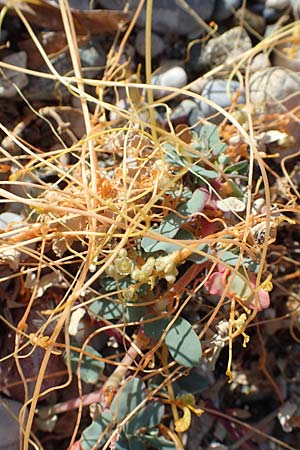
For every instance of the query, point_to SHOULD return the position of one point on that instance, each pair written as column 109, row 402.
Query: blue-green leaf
column 232, row 259
column 128, row 398
column 172, row 223
column 181, row 340
column 107, row 309
column 90, row 368
column 199, row 259
column 155, row 329
column 134, row 313
column 147, row 418
column 193, row 383
column 183, row 343
column 204, row 173
column 209, row 140
column 95, row 434
column 239, row 167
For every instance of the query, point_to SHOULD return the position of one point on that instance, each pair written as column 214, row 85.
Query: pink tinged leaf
column 214, row 284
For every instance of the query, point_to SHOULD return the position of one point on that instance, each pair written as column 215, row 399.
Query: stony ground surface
column 195, row 44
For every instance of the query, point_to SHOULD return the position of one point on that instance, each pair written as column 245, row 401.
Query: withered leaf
column 45, row 14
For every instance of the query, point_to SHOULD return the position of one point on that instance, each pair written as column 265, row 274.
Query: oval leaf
column 92, row 434
column 90, row 368
column 128, row 398
column 183, row 343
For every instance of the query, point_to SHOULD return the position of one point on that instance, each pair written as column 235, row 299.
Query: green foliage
column 170, row 227
column 141, row 430
column 193, row 383
column 181, row 340
column 107, row 309
column 147, row 418
column 240, row 167
column 209, row 141
column 128, row 398
column 90, row 368
column 96, row 433
column 232, row 259
column 183, row 343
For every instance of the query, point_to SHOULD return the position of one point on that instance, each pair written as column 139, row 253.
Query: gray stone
column 226, row 48
column 10, row 219
column 183, row 110
column 277, row 4
column 91, row 55
column 225, row 9
column 168, row 15
column 296, row 7
column 287, row 55
column 216, row 91
column 157, row 44
column 9, row 425
column 259, row 62
column 253, row 20
column 170, row 77
column 274, row 90
column 271, row 14
column 11, row 80
column 196, row 115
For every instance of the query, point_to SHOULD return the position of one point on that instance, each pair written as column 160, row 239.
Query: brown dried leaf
column 44, row 14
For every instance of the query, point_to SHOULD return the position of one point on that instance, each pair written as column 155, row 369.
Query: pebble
column 19, row 79
column 9, row 426
column 225, row 9
column 255, row 21
column 274, row 90
column 282, row 58
column 169, row 76
column 259, row 62
column 195, row 116
column 226, row 48
column 91, row 55
column 216, row 91
column 277, row 4
column 10, row 219
column 271, row 14
column 157, row 44
column 182, row 112
column 296, row 7
column 169, row 16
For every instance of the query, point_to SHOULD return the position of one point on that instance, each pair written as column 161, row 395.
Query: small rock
column 225, row 9
column 226, row 48
column 9, row 425
column 274, row 90
column 169, row 77
column 169, row 16
column 157, row 44
column 196, row 116
column 11, row 77
column 216, row 91
column 199, row 85
column 255, row 21
column 182, row 111
column 296, row 7
column 287, row 55
column 271, row 14
column 277, row 4
column 10, row 220
column 259, row 62
column 91, row 55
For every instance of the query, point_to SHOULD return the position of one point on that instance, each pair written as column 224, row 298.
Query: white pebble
column 170, row 77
